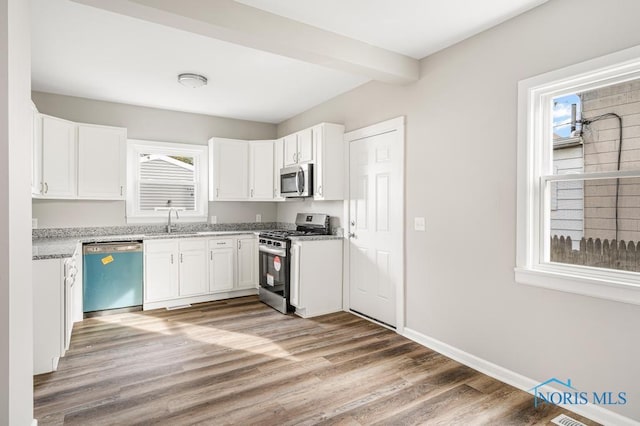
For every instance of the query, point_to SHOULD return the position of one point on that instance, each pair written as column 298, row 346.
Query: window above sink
column 164, row 174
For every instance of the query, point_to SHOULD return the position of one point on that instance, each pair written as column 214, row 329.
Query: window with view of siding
column 166, row 182
column 579, row 179
column 165, row 175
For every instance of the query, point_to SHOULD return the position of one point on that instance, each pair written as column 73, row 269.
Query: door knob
column 352, row 235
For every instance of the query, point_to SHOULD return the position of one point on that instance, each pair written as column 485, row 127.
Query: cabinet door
column 294, row 284
column 278, row 161
column 221, row 269
column 261, row 170
column 48, row 314
column 231, row 169
column 193, row 268
column 305, row 146
column 160, row 270
column 247, row 262
column 290, row 150
column 101, row 162
column 58, row 158
column 36, row 152
column 318, row 167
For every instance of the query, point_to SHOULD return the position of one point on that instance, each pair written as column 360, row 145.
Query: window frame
column 200, row 155
column 534, row 153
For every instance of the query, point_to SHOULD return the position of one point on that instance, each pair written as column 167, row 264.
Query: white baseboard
column 34, row 422
column 591, row 411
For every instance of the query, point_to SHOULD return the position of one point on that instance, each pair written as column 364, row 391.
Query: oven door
column 274, row 270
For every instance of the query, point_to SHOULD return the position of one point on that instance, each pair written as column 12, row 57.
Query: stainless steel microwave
column 296, row 181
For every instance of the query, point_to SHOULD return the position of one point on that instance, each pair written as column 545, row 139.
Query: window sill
column 572, row 281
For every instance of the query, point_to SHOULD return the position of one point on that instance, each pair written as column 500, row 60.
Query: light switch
column 258, row 217
column 419, row 223
column 34, row 223
column 213, row 219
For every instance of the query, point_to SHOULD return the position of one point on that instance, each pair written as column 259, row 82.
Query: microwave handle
column 300, row 181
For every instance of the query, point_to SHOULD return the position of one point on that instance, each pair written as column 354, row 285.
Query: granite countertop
column 60, row 243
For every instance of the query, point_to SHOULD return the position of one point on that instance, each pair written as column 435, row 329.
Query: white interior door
column 375, row 223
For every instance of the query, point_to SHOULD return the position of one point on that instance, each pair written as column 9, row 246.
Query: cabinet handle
column 46, row 187
column 251, row 192
column 217, row 192
column 211, row 254
column 181, row 258
column 121, row 190
column 41, row 187
column 239, row 244
column 319, row 189
column 172, row 258
column 295, row 157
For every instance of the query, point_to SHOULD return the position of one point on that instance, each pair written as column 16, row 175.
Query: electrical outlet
column 419, row 223
column 34, row 223
column 213, row 219
column 258, row 217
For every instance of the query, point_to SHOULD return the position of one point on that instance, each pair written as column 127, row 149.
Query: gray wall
column 150, row 124
column 464, row 109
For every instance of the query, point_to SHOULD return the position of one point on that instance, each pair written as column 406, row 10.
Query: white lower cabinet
column 193, row 268
column 247, row 262
column 160, row 270
column 221, row 265
column 48, row 314
column 316, row 277
column 182, row 271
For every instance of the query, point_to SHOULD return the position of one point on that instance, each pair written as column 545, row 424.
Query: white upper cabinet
column 229, row 169
column 278, row 163
column 298, row 148
column 290, row 146
column 36, row 152
column 101, row 162
column 241, row 170
column 305, row 146
column 59, row 162
column 72, row 160
column 261, row 171
column 329, row 165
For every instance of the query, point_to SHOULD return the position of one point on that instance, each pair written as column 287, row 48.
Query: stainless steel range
column 274, row 247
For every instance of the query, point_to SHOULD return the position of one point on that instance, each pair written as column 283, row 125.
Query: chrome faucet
column 169, row 226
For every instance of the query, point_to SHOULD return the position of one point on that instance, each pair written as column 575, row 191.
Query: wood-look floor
column 240, row 362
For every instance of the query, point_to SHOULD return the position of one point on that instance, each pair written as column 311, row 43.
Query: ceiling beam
column 240, row 24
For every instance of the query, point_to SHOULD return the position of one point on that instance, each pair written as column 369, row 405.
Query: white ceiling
column 83, row 51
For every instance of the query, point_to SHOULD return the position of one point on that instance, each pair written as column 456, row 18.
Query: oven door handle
column 277, row 252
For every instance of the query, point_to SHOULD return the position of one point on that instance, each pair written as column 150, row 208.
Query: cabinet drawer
column 199, row 244
column 222, row 243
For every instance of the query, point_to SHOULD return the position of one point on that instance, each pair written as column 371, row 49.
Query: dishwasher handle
column 121, row 247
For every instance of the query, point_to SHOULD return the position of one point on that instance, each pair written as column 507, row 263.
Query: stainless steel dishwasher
column 112, row 277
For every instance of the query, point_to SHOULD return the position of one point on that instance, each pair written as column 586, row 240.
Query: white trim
column 179, row 302
column 591, row 411
column 34, row 422
column 200, row 155
column 534, row 102
column 394, row 124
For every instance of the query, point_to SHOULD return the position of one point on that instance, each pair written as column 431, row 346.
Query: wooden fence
column 601, row 254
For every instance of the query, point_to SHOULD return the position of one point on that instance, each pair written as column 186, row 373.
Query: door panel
column 375, row 187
